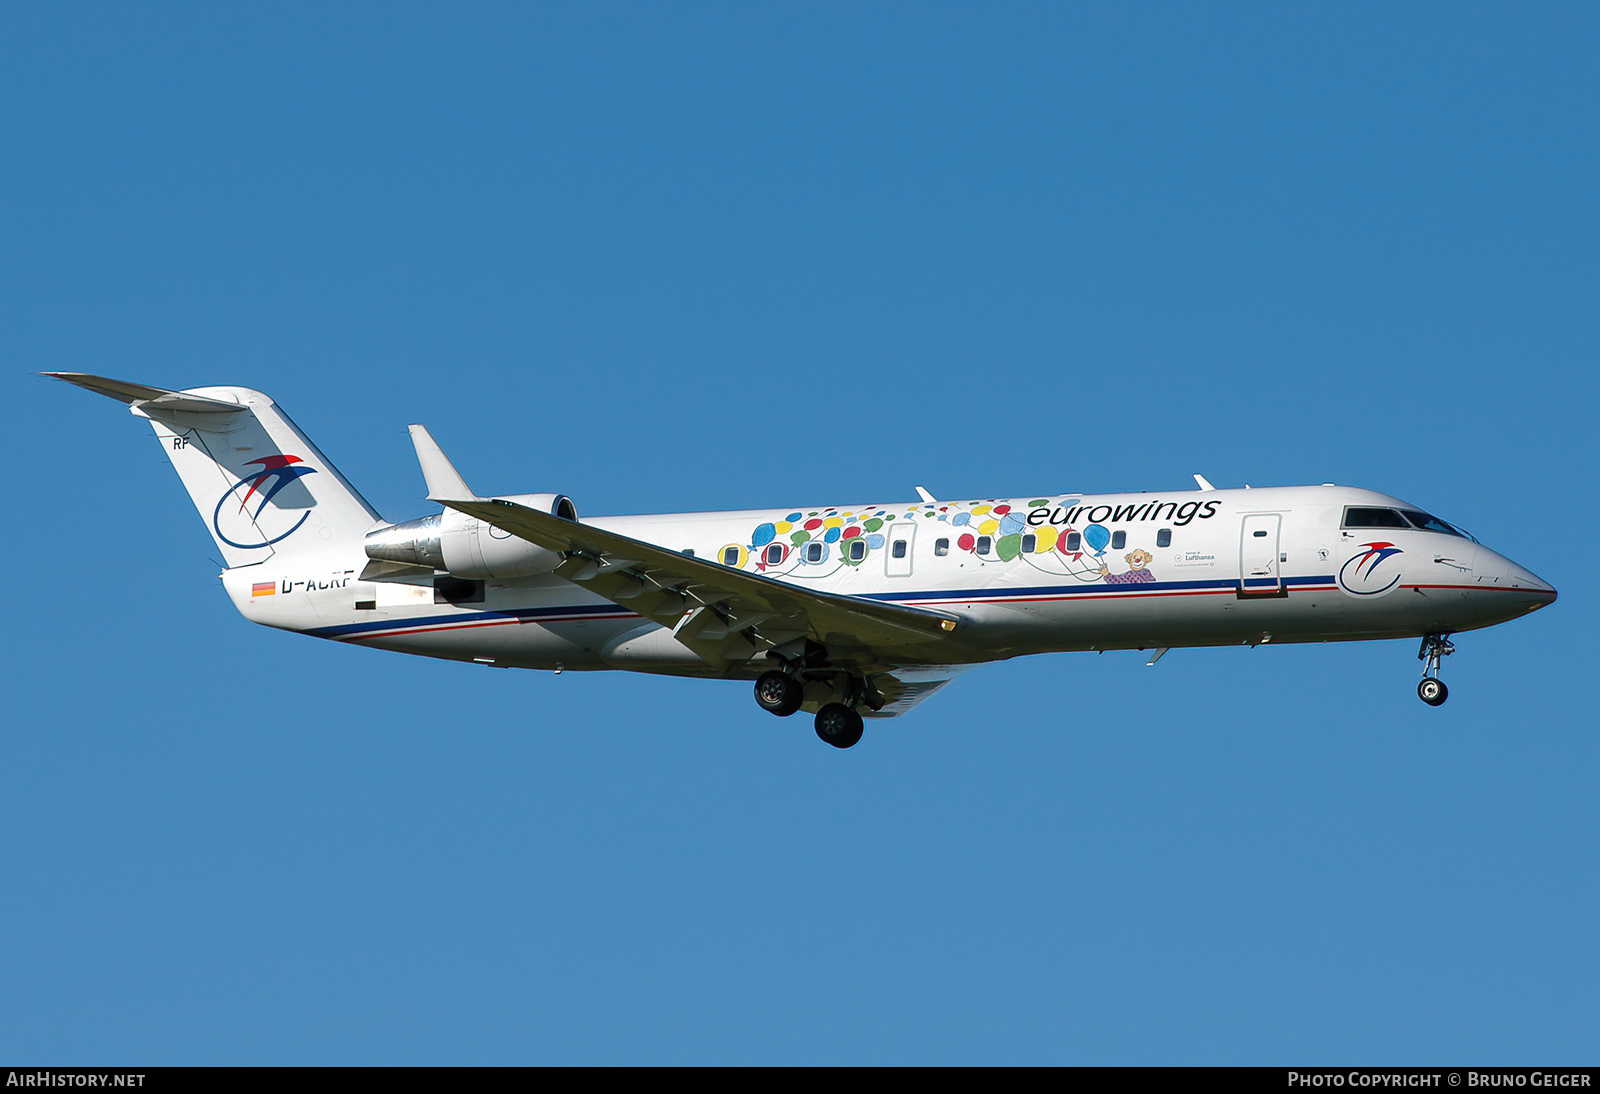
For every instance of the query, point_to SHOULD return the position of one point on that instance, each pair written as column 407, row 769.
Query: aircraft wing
column 726, row 615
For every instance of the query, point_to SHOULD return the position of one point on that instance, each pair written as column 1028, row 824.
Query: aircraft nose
column 1523, row 579
column 1506, row 574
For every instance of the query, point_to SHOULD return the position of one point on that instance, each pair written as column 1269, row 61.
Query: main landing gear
column 779, row 693
column 839, row 725
column 1431, row 689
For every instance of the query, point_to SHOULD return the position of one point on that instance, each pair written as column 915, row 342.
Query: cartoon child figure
column 1138, row 569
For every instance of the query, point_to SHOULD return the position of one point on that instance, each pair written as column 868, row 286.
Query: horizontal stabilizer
column 262, row 488
column 146, row 398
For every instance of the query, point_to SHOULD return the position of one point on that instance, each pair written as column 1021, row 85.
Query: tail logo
column 276, row 473
column 1358, row 575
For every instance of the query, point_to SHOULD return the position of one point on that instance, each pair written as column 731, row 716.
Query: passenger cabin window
column 1119, row 540
column 983, row 545
column 1030, row 543
column 858, row 549
column 730, row 556
column 774, row 554
column 941, row 547
column 899, row 550
column 816, row 551
column 1074, row 541
column 1164, row 538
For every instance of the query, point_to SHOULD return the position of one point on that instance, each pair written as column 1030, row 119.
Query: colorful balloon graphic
column 1011, row 531
column 1098, row 538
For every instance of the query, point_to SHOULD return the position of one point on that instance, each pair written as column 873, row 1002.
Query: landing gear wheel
column 779, row 693
column 840, row 726
column 1435, row 648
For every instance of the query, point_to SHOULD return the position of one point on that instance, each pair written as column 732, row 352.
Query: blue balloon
column 1097, row 537
column 764, row 535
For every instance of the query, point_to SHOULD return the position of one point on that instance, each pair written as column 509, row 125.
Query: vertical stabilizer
column 260, row 485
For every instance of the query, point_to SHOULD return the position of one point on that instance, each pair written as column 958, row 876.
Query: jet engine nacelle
column 467, row 547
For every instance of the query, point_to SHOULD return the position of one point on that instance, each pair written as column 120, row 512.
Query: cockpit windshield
column 1429, row 523
column 1372, row 516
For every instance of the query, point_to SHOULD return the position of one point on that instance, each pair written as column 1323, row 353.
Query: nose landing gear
column 1431, row 689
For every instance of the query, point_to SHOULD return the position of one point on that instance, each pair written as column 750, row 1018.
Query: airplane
column 845, row 612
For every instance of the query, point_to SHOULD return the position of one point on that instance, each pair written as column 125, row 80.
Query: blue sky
column 719, row 256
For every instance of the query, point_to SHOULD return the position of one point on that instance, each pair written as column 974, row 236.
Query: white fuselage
column 846, row 612
column 1026, row 575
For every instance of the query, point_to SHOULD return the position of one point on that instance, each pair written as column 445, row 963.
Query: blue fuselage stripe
column 581, row 612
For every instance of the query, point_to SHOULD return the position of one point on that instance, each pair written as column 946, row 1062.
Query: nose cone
column 1526, row 590
column 1519, row 578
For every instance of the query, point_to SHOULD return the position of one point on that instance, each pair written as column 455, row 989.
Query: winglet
column 1204, row 485
column 443, row 480
column 927, row 498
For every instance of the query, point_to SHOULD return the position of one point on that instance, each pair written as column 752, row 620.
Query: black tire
column 840, row 726
column 1432, row 691
column 779, row 693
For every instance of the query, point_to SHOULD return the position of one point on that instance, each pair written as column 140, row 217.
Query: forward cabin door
column 1259, row 574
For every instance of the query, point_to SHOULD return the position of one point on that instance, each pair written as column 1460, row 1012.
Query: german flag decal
column 264, row 588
